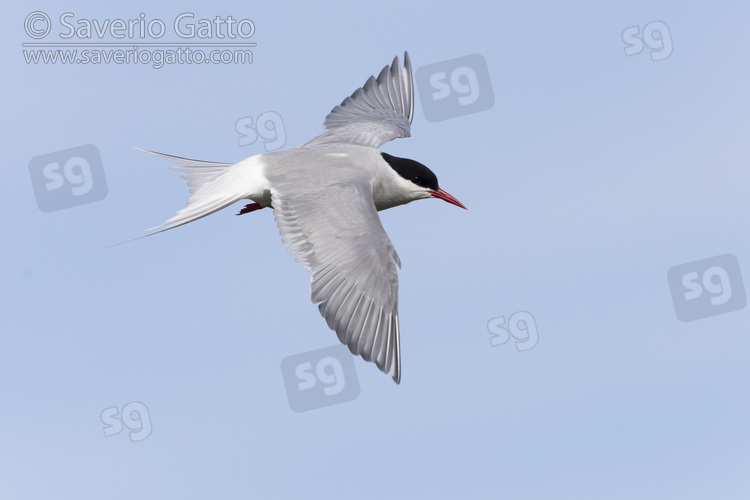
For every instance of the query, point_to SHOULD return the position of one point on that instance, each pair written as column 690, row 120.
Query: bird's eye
column 417, row 180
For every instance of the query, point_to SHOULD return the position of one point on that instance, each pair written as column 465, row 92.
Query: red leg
column 251, row 207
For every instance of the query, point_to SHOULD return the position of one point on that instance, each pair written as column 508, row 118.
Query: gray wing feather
column 378, row 112
column 336, row 234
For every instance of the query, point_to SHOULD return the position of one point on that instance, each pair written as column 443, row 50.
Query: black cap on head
column 412, row 171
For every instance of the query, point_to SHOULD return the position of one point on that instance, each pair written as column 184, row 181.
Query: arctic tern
column 325, row 196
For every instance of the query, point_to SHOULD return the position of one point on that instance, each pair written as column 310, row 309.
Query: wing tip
column 408, row 75
column 396, row 363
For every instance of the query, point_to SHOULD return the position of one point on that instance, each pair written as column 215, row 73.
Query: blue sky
column 592, row 175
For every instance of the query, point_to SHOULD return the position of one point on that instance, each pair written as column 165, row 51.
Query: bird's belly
column 250, row 177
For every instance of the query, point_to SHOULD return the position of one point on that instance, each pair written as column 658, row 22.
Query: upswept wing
column 374, row 114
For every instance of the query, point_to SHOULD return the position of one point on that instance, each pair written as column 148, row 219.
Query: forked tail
column 208, row 193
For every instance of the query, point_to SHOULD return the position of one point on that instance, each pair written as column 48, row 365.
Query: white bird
column 325, row 196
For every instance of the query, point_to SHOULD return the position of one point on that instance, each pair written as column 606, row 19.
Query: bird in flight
column 325, row 196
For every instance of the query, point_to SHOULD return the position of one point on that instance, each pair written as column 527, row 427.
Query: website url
column 158, row 58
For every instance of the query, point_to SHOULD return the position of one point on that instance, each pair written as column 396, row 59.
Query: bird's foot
column 250, row 207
